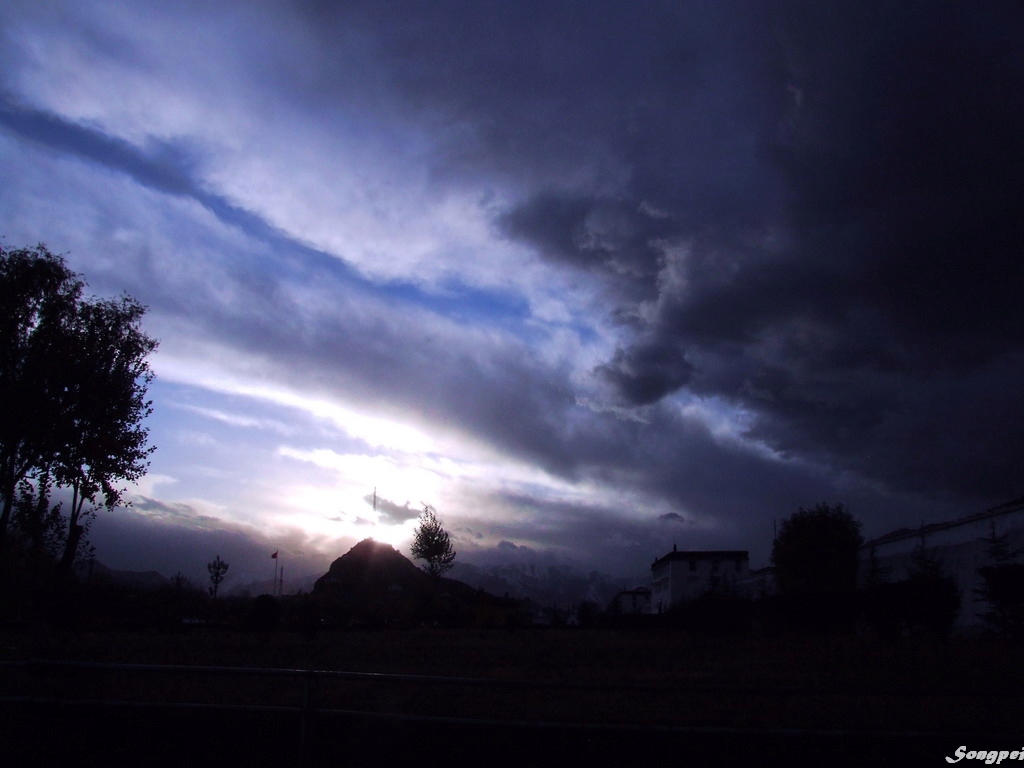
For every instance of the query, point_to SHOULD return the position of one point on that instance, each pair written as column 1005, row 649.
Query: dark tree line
column 816, row 557
column 1002, row 587
column 927, row 599
column 73, row 381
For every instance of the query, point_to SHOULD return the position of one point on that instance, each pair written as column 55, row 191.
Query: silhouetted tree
column 816, row 551
column 104, row 441
column 38, row 299
column 882, row 600
column 815, row 556
column 1002, row 587
column 1003, row 591
column 73, row 380
column 877, row 573
column 38, row 528
column 997, row 547
column 217, row 570
column 39, row 523
column 432, row 543
column 932, row 599
column 926, row 600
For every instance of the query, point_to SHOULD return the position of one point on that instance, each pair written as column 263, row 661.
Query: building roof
column 702, row 554
column 912, row 533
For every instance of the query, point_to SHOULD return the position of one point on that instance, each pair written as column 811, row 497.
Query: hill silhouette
column 371, row 565
column 374, row 584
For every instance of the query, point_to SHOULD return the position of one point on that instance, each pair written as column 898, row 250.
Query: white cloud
column 351, row 176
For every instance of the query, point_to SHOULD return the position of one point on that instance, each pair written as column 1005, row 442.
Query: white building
column 681, row 576
column 959, row 544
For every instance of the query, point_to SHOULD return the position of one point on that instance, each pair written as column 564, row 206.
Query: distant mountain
column 96, row 572
column 557, row 585
column 292, row 585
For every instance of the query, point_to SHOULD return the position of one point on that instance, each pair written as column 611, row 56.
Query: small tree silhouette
column 431, row 543
column 997, row 547
column 179, row 581
column 1002, row 586
column 932, row 596
column 217, row 570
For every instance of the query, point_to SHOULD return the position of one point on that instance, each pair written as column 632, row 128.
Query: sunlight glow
column 205, row 373
column 341, row 512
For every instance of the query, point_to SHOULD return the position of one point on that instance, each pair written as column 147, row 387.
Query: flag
column 274, row 556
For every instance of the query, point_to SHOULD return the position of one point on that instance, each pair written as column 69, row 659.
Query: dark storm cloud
column 549, row 92
column 508, row 546
column 171, row 538
column 602, row 536
column 645, row 373
column 801, row 216
column 888, row 336
column 495, row 390
column 602, row 235
column 672, row 517
column 175, row 513
column 390, row 512
column 537, row 87
column 849, row 264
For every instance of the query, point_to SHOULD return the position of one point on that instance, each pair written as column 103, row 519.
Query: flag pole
column 274, row 558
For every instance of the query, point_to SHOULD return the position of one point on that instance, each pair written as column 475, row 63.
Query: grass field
column 595, row 695
column 635, row 677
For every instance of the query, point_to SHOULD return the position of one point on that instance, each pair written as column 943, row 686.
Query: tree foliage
column 40, row 523
column 933, row 598
column 1003, row 591
column 73, row 382
column 817, row 551
column 38, row 298
column 927, row 600
column 218, row 569
column 1002, row 587
column 432, row 544
column 103, row 441
column 997, row 547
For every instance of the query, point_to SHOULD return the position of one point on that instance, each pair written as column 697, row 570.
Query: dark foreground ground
column 543, row 696
column 111, row 736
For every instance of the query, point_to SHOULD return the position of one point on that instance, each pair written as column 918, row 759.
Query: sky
column 592, row 279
